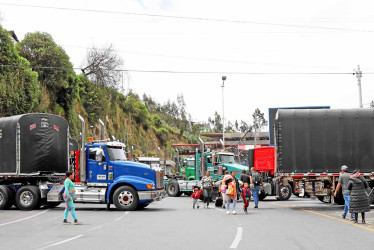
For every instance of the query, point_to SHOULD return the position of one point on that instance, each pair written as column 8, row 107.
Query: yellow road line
column 327, row 216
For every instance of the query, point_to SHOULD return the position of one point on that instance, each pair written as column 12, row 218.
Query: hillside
column 37, row 76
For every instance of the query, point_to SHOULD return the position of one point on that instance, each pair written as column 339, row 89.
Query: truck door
column 97, row 167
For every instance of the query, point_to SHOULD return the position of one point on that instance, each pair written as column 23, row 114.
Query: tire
column 172, row 189
column 142, row 205
column 28, row 198
column 262, row 196
column 285, row 192
column 6, row 198
column 53, row 204
column 188, row 193
column 320, row 198
column 126, row 198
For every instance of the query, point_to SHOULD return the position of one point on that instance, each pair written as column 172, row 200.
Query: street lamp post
column 223, row 113
column 358, row 73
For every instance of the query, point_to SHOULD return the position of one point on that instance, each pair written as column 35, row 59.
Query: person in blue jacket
column 68, row 197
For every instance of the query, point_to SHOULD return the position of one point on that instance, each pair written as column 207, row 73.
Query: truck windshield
column 190, row 163
column 116, row 153
column 227, row 158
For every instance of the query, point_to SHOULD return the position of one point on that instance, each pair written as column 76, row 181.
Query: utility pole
column 358, row 74
column 223, row 113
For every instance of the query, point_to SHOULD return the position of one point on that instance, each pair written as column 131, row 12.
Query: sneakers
column 228, row 212
column 198, row 207
column 66, row 222
column 343, row 216
column 77, row 222
column 255, row 207
column 245, row 210
column 233, row 212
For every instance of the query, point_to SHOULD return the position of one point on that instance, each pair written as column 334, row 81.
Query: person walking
column 68, row 196
column 223, row 187
column 358, row 200
column 246, row 195
column 196, row 196
column 207, row 182
column 343, row 183
column 231, row 192
column 256, row 183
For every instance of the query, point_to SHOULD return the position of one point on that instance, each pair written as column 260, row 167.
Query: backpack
column 256, row 179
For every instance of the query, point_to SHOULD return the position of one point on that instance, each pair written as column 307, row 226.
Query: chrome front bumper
column 155, row 195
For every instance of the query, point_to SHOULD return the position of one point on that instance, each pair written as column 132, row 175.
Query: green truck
column 216, row 162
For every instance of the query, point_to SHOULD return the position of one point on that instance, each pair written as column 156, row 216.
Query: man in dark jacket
column 256, row 183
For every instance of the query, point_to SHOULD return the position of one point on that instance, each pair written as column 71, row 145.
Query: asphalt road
column 299, row 223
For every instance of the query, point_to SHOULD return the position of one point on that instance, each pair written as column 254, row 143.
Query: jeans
column 228, row 200
column 346, row 206
column 195, row 201
column 255, row 194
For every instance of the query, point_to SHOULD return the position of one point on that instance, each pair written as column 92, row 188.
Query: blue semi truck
column 34, row 155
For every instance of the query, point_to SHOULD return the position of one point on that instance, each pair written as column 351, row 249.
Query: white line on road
column 61, row 242
column 238, row 237
column 120, row 218
column 15, row 221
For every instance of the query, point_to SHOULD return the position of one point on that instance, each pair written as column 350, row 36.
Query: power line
column 187, row 18
column 193, row 72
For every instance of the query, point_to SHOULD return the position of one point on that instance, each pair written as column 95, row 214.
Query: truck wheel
column 285, row 192
column 125, row 198
column 6, row 198
column 262, row 196
column 53, row 204
column 172, row 189
column 28, row 198
column 142, row 205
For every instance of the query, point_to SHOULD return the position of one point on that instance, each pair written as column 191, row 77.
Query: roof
column 148, row 159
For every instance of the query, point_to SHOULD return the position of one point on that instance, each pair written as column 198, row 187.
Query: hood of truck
column 132, row 168
column 235, row 166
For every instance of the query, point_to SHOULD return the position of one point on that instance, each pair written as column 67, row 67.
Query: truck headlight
column 150, row 186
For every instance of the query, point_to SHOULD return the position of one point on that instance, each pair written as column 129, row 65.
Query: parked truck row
column 34, row 156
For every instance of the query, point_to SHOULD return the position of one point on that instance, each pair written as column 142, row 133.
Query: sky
column 267, row 37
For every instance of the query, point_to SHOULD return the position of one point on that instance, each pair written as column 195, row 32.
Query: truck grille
column 159, row 179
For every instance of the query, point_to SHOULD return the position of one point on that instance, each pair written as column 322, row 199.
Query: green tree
column 50, row 60
column 19, row 89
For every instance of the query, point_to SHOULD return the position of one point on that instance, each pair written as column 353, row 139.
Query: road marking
column 15, row 221
column 120, row 218
column 238, row 237
column 95, row 228
column 327, row 216
column 61, row 242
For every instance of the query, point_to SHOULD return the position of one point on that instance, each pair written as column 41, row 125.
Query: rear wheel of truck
column 28, row 198
column 53, row 204
column 172, row 189
column 285, row 192
column 6, row 198
column 125, row 198
column 142, row 205
column 262, row 196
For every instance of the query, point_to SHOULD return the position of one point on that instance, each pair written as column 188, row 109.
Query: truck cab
column 219, row 162
column 113, row 179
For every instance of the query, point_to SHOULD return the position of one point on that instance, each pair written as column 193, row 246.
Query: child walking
column 195, row 197
column 246, row 195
